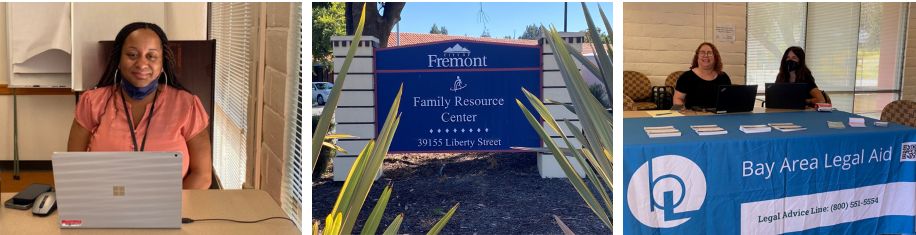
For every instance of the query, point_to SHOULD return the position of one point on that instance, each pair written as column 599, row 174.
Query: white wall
column 44, row 125
column 44, row 120
column 660, row 38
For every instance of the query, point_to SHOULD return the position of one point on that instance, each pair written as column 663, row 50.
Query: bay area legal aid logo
column 666, row 191
column 456, row 57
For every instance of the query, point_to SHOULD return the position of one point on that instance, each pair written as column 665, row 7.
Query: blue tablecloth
column 820, row 180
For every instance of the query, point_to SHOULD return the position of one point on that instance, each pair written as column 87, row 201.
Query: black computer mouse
column 45, row 204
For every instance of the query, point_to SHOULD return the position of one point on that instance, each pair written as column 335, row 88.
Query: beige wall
column 278, row 83
column 660, row 38
column 4, row 57
column 909, row 61
column 94, row 22
column 44, row 121
column 186, row 20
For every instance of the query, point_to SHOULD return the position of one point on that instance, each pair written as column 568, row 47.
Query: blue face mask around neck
column 138, row 93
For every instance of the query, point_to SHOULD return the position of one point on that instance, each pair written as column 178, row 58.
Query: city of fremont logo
column 456, row 57
column 664, row 191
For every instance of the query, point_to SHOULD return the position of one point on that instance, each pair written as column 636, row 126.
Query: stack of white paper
column 708, row 130
column 787, row 127
column 857, row 122
column 755, row 128
column 835, row 125
column 661, row 131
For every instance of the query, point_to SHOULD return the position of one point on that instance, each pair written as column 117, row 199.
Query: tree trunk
column 377, row 25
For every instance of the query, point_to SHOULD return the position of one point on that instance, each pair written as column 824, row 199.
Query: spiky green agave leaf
column 324, row 123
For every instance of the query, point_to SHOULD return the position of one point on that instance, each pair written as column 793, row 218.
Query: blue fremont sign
column 459, row 96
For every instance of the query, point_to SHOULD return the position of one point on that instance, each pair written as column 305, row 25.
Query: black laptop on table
column 786, row 95
column 736, row 98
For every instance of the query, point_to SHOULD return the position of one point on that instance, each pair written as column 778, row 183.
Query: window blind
column 832, row 41
column 771, row 28
column 880, row 56
column 880, row 46
column 854, row 50
column 231, row 24
column 291, row 194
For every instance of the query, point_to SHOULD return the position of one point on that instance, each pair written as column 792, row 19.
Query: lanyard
column 130, row 122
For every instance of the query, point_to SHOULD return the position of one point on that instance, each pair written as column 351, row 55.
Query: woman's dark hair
column 696, row 56
column 114, row 57
column 802, row 73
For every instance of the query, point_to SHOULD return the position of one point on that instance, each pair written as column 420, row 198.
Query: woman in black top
column 794, row 70
column 697, row 87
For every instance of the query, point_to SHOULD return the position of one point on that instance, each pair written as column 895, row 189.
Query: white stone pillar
column 555, row 89
column 356, row 109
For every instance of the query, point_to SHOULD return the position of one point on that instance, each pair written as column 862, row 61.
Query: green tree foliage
column 438, row 30
column 597, row 90
column 604, row 37
column 435, row 29
column 327, row 21
column 531, row 32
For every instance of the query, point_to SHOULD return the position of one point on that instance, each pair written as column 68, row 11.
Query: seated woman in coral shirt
column 138, row 105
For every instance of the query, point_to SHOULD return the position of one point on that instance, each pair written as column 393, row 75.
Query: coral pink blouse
column 179, row 116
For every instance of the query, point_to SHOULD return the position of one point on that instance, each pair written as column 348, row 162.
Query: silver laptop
column 118, row 189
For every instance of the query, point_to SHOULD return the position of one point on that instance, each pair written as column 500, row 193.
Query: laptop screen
column 786, row 95
column 735, row 98
column 118, row 189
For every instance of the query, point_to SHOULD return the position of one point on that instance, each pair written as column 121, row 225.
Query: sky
column 503, row 19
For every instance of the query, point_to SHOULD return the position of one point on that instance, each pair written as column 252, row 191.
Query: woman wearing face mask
column 794, row 70
column 138, row 105
column 697, row 86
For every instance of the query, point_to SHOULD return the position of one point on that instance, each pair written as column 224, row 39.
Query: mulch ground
column 499, row 194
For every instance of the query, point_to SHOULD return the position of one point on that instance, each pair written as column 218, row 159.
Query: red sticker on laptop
column 71, row 223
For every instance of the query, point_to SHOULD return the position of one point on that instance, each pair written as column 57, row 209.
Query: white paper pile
column 857, row 122
column 708, row 130
column 661, row 131
column 836, row 125
column 787, row 127
column 755, row 128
